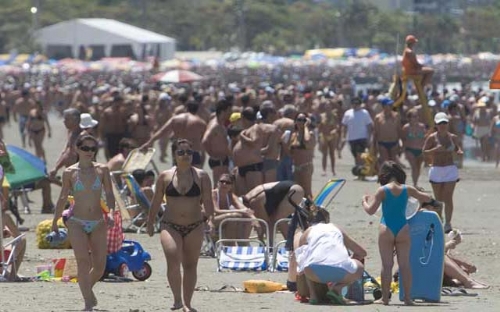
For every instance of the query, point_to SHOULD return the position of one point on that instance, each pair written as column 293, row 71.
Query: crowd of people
column 259, row 142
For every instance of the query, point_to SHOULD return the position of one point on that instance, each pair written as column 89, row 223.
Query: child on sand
column 394, row 231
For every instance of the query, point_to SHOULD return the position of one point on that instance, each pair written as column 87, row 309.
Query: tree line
column 281, row 27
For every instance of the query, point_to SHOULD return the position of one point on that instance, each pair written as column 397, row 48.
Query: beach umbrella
column 27, row 168
column 177, row 76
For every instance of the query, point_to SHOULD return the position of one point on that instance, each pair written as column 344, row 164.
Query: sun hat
column 411, row 39
column 235, row 117
column 86, row 121
column 440, row 117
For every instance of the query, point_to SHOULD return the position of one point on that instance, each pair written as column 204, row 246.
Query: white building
column 95, row 38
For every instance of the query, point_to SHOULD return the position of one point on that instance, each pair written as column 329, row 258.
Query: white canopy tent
column 99, row 37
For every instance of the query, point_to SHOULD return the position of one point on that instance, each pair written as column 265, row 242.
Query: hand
column 111, row 220
column 144, row 148
column 366, row 198
column 211, row 227
column 55, row 228
column 460, row 152
column 52, row 174
column 150, row 229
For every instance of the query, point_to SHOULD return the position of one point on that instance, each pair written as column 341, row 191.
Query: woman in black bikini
column 413, row 141
column 269, row 202
column 186, row 189
column 35, row 126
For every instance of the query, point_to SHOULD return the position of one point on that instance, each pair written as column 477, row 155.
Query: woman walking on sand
column 443, row 174
column 413, row 140
column 302, row 142
column 85, row 219
column 36, row 127
column 186, row 188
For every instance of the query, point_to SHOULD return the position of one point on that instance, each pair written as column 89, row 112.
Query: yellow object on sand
column 262, row 286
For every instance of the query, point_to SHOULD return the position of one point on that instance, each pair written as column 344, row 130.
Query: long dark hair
column 391, row 170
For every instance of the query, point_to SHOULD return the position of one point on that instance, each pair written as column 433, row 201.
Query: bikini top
column 416, row 136
column 171, row 191
column 449, row 148
column 79, row 186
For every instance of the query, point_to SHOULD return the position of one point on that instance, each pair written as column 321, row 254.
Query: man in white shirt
column 357, row 128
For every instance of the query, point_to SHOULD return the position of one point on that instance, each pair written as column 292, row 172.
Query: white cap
column 164, row 97
column 431, row 103
column 86, row 121
column 440, row 117
column 413, row 97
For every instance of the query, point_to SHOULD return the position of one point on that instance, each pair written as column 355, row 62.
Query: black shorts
column 243, row 170
column 358, row 146
column 212, row 163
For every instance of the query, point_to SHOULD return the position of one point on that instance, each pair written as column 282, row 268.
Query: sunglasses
column 301, row 119
column 184, row 152
column 225, row 182
column 86, row 148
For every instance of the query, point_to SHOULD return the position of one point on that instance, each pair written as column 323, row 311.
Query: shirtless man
column 162, row 113
column 139, row 124
column 187, row 126
column 247, row 152
column 68, row 155
column 215, row 141
column 113, row 126
column 481, row 121
column 286, row 126
column 125, row 146
column 411, row 66
column 387, row 132
column 271, row 139
column 22, row 106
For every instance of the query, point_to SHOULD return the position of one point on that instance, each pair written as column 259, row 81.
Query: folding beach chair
column 140, row 219
column 8, row 257
column 280, row 255
column 242, row 258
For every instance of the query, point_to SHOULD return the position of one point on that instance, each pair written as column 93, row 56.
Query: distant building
column 95, row 38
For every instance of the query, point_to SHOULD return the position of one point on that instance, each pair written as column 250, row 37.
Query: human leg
column 453, row 271
column 38, row 141
column 190, row 255
column 172, row 244
column 331, row 152
column 98, row 253
column 386, row 248
column 448, row 190
column 437, row 189
column 303, row 177
column 323, row 148
column 403, row 244
column 80, row 243
column 252, row 179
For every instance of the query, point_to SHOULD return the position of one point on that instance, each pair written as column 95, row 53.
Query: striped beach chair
column 252, row 257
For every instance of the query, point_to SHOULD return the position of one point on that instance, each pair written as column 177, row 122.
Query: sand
column 476, row 215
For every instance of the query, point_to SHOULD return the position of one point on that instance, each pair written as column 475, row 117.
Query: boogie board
column 426, row 257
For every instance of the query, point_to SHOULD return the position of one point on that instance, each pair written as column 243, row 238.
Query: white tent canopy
column 104, row 38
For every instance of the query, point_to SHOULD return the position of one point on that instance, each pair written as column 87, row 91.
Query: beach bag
column 115, row 233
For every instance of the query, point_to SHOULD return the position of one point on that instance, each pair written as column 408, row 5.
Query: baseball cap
column 235, row 117
column 432, row 103
column 411, row 39
column 445, row 103
column 440, row 117
column 386, row 101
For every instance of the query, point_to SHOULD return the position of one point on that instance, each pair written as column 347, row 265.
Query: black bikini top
column 171, row 191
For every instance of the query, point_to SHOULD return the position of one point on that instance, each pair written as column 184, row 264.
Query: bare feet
column 93, row 300
column 476, row 285
column 381, row 301
column 177, row 306
column 188, row 309
column 409, row 302
column 323, row 174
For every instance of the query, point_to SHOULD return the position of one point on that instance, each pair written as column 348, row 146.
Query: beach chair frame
column 274, row 258
column 10, row 261
column 219, row 245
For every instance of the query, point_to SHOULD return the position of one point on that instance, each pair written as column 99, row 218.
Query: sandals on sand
column 456, row 292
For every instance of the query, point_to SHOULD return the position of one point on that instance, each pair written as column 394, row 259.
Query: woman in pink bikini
column 85, row 220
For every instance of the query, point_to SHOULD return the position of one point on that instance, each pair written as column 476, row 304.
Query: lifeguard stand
column 417, row 81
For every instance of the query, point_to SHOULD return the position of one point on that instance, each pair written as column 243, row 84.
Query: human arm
column 303, row 237
column 157, row 200
column 430, row 146
column 371, row 207
column 274, row 139
column 247, row 138
column 240, row 207
column 165, row 130
column 423, row 198
column 206, row 197
column 108, row 188
column 63, row 198
column 358, row 252
column 63, row 157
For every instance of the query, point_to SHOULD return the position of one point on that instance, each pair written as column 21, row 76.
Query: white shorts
column 443, row 174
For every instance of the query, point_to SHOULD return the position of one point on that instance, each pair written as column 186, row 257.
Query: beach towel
column 115, row 233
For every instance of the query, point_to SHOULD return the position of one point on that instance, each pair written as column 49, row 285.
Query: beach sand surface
column 476, row 214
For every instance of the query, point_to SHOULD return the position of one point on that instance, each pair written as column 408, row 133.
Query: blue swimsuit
column 87, row 225
column 394, row 210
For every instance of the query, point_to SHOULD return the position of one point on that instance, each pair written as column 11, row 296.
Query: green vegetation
column 276, row 26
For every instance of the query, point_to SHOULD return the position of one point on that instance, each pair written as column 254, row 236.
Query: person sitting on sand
column 456, row 271
column 323, row 257
column 10, row 229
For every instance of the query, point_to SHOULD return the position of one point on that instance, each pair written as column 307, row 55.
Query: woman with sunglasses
column 227, row 205
column 85, row 220
column 188, row 191
column 302, row 144
column 443, row 174
column 413, row 140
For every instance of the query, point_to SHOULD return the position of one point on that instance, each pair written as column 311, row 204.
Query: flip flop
column 459, row 292
column 335, row 298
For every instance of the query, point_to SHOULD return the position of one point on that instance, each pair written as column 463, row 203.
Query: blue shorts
column 327, row 273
